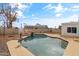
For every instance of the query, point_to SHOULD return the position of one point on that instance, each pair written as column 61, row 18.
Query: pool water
column 42, row 45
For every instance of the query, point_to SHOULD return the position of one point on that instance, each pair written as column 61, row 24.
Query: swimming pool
column 43, row 45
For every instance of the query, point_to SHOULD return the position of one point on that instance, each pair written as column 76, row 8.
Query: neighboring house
column 70, row 29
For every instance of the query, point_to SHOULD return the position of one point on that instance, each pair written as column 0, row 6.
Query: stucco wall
column 71, row 24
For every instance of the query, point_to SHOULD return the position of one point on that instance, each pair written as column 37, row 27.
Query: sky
column 51, row 14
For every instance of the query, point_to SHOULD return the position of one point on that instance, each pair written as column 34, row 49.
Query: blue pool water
column 42, row 45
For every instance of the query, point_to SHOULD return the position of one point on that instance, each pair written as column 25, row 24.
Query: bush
column 9, row 31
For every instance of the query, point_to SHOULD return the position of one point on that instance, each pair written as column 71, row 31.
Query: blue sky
column 51, row 14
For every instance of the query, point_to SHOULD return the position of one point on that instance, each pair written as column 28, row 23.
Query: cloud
column 59, row 14
column 13, row 5
column 20, row 14
column 75, row 8
column 48, row 7
column 57, row 9
column 52, row 22
column 33, row 15
column 20, row 8
column 73, row 17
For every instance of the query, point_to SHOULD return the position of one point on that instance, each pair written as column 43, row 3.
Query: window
column 72, row 30
column 69, row 29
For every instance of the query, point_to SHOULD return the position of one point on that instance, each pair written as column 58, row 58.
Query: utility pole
column 24, row 29
column 4, row 29
column 78, row 19
column 21, row 32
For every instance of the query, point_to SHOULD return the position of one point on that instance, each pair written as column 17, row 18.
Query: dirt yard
column 3, row 47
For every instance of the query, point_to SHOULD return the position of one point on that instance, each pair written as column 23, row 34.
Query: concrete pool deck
column 16, row 49
column 72, row 48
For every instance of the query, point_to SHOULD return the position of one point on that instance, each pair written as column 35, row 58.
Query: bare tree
column 10, row 15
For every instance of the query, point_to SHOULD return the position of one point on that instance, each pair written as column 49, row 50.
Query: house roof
column 71, row 23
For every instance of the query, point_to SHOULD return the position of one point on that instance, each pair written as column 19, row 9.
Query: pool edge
column 16, row 49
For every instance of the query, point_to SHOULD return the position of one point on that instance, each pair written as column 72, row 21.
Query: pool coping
column 68, row 51
column 72, row 48
column 16, row 49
